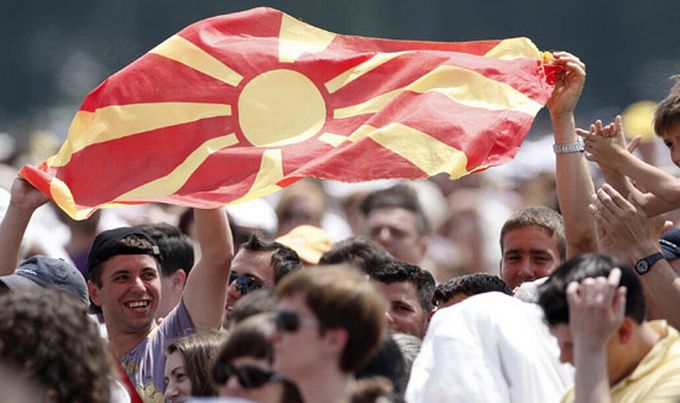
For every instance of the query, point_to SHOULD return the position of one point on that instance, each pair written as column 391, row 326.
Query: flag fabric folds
column 238, row 106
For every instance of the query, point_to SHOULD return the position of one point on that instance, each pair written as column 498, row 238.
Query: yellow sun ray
column 515, row 48
column 183, row 51
column 114, row 122
column 463, row 86
column 422, row 150
column 271, row 172
column 296, row 38
column 61, row 194
column 332, row 139
column 355, row 72
column 174, row 181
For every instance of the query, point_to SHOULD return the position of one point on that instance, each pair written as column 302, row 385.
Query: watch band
column 570, row 148
column 643, row 265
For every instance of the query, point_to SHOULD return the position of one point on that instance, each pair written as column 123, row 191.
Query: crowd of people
column 393, row 293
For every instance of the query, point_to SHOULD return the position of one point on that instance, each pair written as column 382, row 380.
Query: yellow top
column 657, row 376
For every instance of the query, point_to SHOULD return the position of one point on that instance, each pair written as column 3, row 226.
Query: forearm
column 205, row 292
column 591, row 382
column 662, row 184
column 574, row 190
column 214, row 236
column 12, row 230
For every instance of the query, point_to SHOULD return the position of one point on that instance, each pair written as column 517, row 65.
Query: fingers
column 614, row 277
column 633, row 145
column 620, row 303
column 612, row 199
column 667, row 226
column 582, row 133
column 572, row 292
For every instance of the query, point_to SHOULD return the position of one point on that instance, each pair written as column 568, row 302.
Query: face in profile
column 298, row 344
column 404, row 313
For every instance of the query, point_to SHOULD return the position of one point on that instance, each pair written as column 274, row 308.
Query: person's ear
column 424, row 244
column 336, row 340
column 625, row 332
column 179, row 279
column 93, row 292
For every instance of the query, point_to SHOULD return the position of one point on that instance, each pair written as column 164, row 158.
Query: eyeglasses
column 287, row 321
column 244, row 283
column 249, row 376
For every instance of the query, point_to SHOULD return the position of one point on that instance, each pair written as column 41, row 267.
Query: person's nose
column 525, row 270
column 138, row 285
column 171, row 392
column 384, row 235
column 232, row 290
column 390, row 319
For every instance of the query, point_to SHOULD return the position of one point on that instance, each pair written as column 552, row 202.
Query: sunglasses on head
column 249, row 376
column 244, row 283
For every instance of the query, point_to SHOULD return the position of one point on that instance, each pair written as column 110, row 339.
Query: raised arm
column 627, row 228
column 205, row 291
column 574, row 184
column 651, row 204
column 596, row 310
column 610, row 153
column 24, row 200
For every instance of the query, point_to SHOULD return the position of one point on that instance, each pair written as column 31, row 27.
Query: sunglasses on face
column 244, row 283
column 290, row 322
column 249, row 376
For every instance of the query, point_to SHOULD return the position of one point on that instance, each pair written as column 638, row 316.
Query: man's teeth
column 138, row 304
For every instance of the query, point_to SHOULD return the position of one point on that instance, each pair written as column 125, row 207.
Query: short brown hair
column 543, row 217
column 342, row 297
column 667, row 112
column 199, row 351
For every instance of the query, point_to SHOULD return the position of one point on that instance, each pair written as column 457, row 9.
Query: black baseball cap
column 39, row 272
column 670, row 244
column 107, row 244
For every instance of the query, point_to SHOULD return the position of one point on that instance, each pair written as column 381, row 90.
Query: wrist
column 589, row 348
column 17, row 209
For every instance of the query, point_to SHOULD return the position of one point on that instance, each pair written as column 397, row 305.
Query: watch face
column 641, row 267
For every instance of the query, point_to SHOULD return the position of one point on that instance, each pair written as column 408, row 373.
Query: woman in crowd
column 243, row 367
column 188, row 363
column 330, row 320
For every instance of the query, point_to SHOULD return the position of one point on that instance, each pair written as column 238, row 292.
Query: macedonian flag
column 238, row 106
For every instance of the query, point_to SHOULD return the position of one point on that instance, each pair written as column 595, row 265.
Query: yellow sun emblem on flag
column 283, row 105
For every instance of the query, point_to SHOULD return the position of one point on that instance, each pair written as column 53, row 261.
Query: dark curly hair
column 50, row 339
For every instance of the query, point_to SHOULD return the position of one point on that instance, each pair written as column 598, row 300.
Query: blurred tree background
column 54, row 53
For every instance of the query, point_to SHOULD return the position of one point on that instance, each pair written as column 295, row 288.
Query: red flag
column 237, row 106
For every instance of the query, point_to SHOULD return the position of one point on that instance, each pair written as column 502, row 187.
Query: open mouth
column 137, row 304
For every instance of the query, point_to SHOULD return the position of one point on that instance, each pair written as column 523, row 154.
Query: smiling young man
column 533, row 244
column 123, row 266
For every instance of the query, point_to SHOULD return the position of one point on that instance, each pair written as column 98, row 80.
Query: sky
column 55, row 53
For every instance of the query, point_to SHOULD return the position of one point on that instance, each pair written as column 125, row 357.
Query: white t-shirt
column 489, row 348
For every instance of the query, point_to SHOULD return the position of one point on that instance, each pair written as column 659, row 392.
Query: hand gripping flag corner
column 238, row 106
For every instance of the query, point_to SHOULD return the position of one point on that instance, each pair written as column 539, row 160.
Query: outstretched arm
column 651, row 204
column 627, row 228
column 205, row 291
column 574, row 184
column 24, row 200
column 611, row 153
